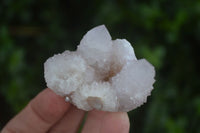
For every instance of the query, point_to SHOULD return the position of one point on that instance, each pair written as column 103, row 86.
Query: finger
column 39, row 115
column 106, row 122
column 70, row 122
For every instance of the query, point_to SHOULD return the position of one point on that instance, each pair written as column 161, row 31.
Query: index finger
column 39, row 115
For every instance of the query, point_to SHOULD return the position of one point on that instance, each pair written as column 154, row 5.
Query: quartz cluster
column 102, row 74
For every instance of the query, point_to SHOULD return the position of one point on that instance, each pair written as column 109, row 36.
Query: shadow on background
column 166, row 33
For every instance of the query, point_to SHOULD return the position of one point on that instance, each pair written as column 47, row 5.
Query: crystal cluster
column 102, row 74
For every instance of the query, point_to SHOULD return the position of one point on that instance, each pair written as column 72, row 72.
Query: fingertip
column 125, row 124
column 117, row 122
column 106, row 122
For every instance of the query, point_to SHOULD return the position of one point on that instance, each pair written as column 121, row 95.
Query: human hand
column 48, row 112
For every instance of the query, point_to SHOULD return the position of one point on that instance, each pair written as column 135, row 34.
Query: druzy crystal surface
column 102, row 74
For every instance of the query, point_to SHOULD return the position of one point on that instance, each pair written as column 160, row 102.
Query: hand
column 48, row 112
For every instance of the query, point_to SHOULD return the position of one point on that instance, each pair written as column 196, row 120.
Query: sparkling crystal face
column 102, row 74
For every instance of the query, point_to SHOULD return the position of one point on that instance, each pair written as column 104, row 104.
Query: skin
column 48, row 112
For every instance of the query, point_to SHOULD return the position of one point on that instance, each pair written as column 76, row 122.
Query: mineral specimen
column 101, row 74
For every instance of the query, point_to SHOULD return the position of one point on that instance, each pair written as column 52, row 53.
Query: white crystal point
column 64, row 72
column 96, row 38
column 95, row 48
column 133, row 84
column 122, row 52
column 123, row 49
column 103, row 74
column 96, row 96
